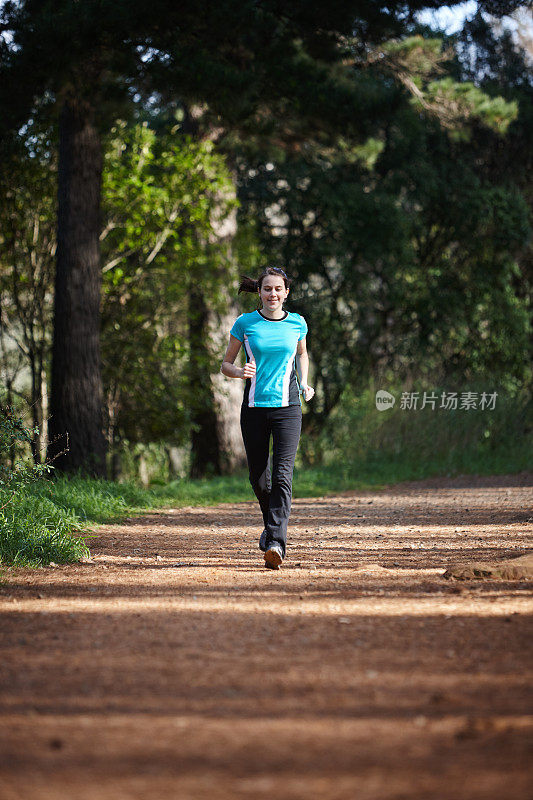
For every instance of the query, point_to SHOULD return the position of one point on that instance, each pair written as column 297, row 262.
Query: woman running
column 271, row 404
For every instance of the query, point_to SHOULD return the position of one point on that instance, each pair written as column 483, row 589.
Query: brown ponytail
column 248, row 285
column 251, row 285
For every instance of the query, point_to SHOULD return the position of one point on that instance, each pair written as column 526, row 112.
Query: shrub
column 33, row 530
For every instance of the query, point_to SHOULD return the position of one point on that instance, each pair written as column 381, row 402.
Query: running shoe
column 273, row 556
column 263, row 541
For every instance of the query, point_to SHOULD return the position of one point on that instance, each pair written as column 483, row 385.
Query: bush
column 33, row 530
column 16, row 470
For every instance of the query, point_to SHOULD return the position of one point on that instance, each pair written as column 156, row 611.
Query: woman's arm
column 301, row 350
column 304, row 361
column 229, row 369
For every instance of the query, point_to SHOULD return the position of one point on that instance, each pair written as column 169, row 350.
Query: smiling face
column 273, row 293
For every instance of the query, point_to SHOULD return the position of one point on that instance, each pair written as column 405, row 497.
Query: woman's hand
column 248, row 371
column 308, row 392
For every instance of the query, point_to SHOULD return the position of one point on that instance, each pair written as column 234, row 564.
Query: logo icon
column 384, row 400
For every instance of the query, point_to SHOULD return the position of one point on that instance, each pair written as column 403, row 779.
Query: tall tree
column 408, row 240
column 254, row 64
column 76, row 408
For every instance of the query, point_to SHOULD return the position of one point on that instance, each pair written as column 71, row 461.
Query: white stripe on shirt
column 287, row 381
column 251, row 393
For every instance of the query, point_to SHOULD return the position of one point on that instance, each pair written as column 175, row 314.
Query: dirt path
column 175, row 666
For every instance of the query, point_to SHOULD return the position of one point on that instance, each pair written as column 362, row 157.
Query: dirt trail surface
column 174, row 665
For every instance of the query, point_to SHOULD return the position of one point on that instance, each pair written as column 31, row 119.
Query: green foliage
column 28, row 185
column 33, row 531
column 254, row 64
column 415, row 60
column 16, row 471
column 91, row 500
column 460, row 102
column 416, row 54
column 410, row 260
column 398, row 443
column 490, row 58
column 164, row 194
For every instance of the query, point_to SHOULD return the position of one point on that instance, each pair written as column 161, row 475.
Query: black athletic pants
column 274, row 492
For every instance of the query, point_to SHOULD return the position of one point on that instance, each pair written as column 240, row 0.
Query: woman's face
column 273, row 292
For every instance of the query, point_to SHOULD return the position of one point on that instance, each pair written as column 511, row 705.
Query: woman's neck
column 278, row 315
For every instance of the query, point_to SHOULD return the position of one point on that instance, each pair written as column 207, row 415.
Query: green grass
column 35, row 531
column 401, row 444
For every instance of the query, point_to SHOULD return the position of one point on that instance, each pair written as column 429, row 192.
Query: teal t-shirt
column 272, row 343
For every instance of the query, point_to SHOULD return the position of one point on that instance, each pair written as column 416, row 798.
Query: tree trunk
column 218, row 440
column 43, row 431
column 177, row 461
column 76, row 405
column 143, row 471
column 228, row 394
column 116, row 458
column 205, row 450
column 223, row 421
column 36, row 407
column 12, row 445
